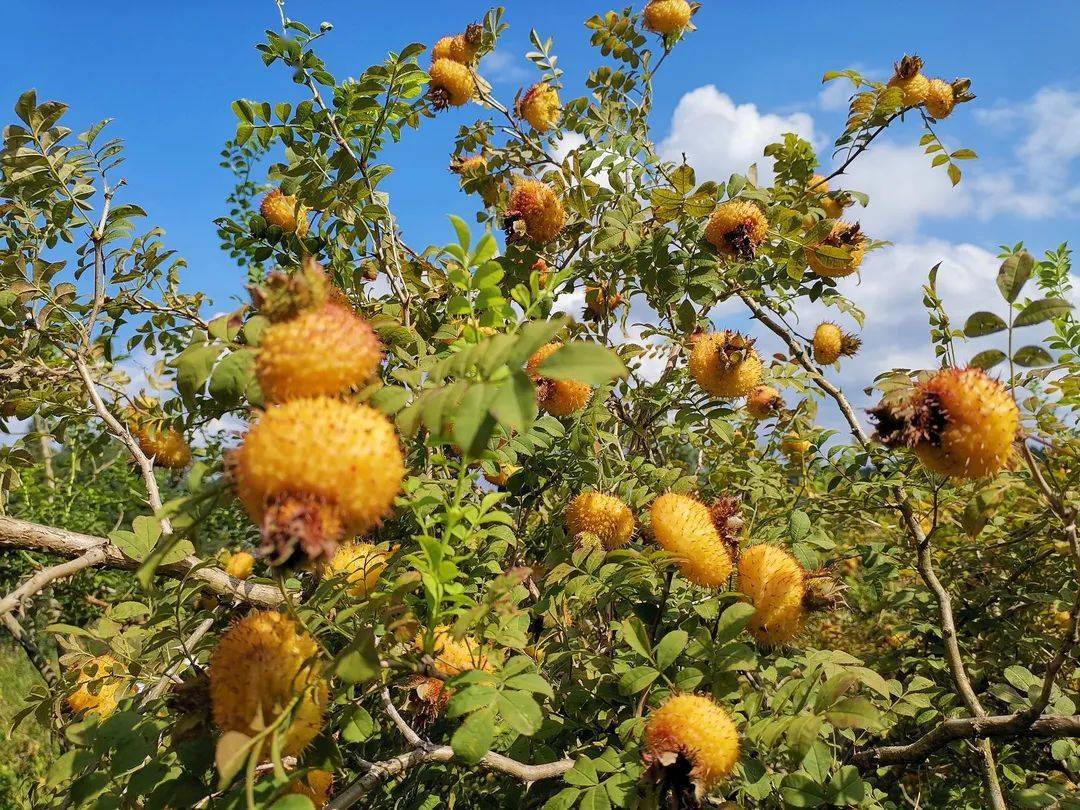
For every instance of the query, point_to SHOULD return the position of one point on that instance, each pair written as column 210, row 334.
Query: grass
column 25, row 752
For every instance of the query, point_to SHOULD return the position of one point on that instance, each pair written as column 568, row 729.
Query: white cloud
column 1043, row 181
column 719, row 136
column 500, row 66
column 896, row 334
column 904, row 189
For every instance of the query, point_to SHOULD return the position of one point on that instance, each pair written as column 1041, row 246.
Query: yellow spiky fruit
column 502, row 476
column 794, row 446
column 535, row 212
column 844, row 236
column 831, row 343
column 940, row 99
column 832, row 207
column 684, row 527
column 667, row 16
column 240, row 565
column 776, row 585
column 359, row 565
column 453, row 656
column 764, row 402
column 321, row 352
column 968, row 423
column 736, row 229
column 315, row 785
column 470, row 167
column 557, row 397
column 259, row 666
column 312, row 470
column 164, row 444
column 540, row 106
column 695, row 728
column 908, row 76
column 100, row 685
column 284, row 211
column 605, row 516
column 452, row 84
column 725, row 364
column 598, row 303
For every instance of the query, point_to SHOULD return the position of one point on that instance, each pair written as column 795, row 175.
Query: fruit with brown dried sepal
column 683, row 526
column 451, row 84
column 736, row 229
column 535, row 212
column 764, row 402
column 358, row 566
column 540, row 106
column 284, row 211
column 959, row 422
column 908, row 76
column 940, row 99
column 690, row 745
column 831, row 343
column 312, row 471
column 101, row 683
column 725, row 364
column 845, row 237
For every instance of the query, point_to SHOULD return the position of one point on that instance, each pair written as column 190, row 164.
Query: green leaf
column 834, row 688
column 583, row 774
column 798, row 525
column 357, row 725
column 1032, row 356
column 733, row 620
column 846, row 787
column 514, row 404
column 853, row 712
column 193, row 366
column 1042, row 310
column 471, row 698
column 802, row 732
column 1014, row 274
column 637, row 637
column 669, row 648
column 230, row 754
column 980, row 509
column 359, row 662
column 473, row 424
column 799, row 790
column 293, row 802
column 529, row 682
column 988, row 359
column 233, row 377
column 563, row 800
column 463, row 234
column 473, row 738
column 983, row 323
column 637, row 679
column 588, row 362
column 520, row 711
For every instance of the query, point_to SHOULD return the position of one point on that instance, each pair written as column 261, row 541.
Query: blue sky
column 168, row 71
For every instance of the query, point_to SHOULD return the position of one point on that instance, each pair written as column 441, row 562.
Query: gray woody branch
column 21, row 534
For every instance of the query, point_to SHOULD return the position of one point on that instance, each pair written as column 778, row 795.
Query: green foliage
column 574, row 645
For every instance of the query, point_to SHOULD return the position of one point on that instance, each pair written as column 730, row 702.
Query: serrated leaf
column 799, row 790
column 514, row 403
column 988, row 359
column 983, row 323
column 590, row 363
column 1042, row 310
column 669, row 648
column 473, row 738
column 732, row 621
column 637, row 679
column 1014, row 274
column 1032, row 357
column 359, row 662
column 853, row 712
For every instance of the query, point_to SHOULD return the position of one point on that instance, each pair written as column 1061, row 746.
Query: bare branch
column 93, row 556
column 35, row 537
column 968, row 728
column 922, row 546
column 375, row 773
